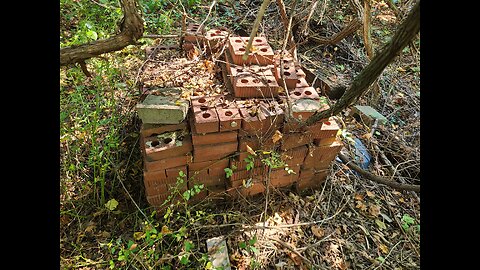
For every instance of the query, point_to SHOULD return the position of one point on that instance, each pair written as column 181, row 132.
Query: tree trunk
column 405, row 33
column 131, row 29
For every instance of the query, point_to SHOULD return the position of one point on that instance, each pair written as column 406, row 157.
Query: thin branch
column 256, row 24
column 208, row 15
column 376, row 178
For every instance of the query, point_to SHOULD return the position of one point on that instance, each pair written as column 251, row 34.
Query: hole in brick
column 256, row 80
column 308, row 93
column 242, row 49
column 218, row 32
column 167, row 140
column 228, row 113
column 252, row 113
column 202, row 100
column 212, row 34
column 239, row 70
column 155, row 143
column 203, row 107
column 327, row 123
column 180, row 138
column 264, row 49
column 282, row 94
column 244, row 80
column 296, row 93
column 238, row 40
column 286, row 73
column 154, row 134
column 206, row 115
column 258, row 40
column 198, row 90
column 298, row 81
column 224, row 105
column 280, row 101
column 269, row 81
column 286, row 61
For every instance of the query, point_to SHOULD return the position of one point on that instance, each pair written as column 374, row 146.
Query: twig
column 208, row 15
column 292, row 249
column 256, row 24
column 161, row 36
column 376, row 178
column 388, row 254
column 309, row 17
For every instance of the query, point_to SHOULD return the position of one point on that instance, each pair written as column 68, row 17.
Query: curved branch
column 131, row 28
column 376, row 178
column 405, row 33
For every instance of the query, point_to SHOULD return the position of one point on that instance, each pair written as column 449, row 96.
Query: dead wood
column 404, row 34
column 351, row 27
column 131, row 29
column 376, row 178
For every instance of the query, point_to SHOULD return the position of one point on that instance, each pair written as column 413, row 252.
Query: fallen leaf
column 133, row 246
column 111, row 204
column 277, row 136
column 367, row 136
column 370, row 194
column 358, row 197
column 138, row 235
column 383, row 248
column 380, row 224
column 317, row 231
column 166, row 230
column 250, row 151
column 295, row 258
column 374, row 210
column 361, row 206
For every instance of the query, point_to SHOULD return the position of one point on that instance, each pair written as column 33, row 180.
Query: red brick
column 281, row 178
column 167, row 163
column 320, row 157
column 305, row 92
column 206, row 121
column 215, row 39
column 214, row 138
column 230, row 119
column 292, row 140
column 289, row 74
column 203, row 177
column 301, row 82
column 168, row 144
column 295, row 156
column 314, row 182
column 174, row 172
column 216, row 190
column 252, row 120
column 252, row 85
column 208, row 101
column 239, row 71
column 241, row 164
column 209, row 165
column 263, row 55
column 306, row 174
column 256, row 172
column 254, row 189
column 213, row 151
column 329, row 129
column 274, row 115
column 149, row 130
column 194, row 33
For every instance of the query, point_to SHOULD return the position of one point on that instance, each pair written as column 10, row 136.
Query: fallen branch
column 353, row 26
column 376, row 178
column 256, row 24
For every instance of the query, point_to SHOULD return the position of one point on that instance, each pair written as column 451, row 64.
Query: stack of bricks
column 243, row 129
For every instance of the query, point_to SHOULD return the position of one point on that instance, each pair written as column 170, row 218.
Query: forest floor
column 350, row 222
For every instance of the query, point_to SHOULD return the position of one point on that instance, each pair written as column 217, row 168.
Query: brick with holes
column 167, row 144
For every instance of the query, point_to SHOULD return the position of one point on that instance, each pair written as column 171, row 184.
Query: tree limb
column 131, row 28
column 405, row 32
column 376, row 178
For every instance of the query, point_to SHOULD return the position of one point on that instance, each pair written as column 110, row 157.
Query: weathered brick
column 215, row 39
column 214, row 138
column 194, row 33
column 162, row 110
column 294, row 156
column 213, row 151
column 314, row 182
column 149, row 130
column 281, row 178
column 230, row 119
column 206, row 121
column 168, row 144
column 212, row 165
column 292, row 140
column 262, row 54
column 320, row 157
column 305, row 92
column 167, row 163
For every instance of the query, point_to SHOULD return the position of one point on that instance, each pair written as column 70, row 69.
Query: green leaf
column 188, row 245
column 186, row 195
column 209, row 266
column 408, row 219
column 252, row 241
column 92, row 34
column 181, row 173
column 228, row 172
column 254, row 250
column 184, row 259
column 111, row 204
column 242, row 245
column 381, row 259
